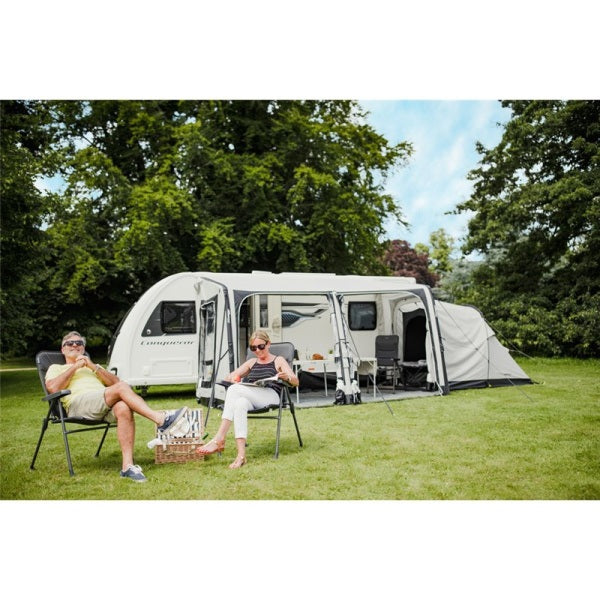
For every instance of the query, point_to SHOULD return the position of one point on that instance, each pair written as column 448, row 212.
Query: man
column 99, row 394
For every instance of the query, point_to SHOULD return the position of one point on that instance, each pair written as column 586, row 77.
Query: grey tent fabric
column 473, row 355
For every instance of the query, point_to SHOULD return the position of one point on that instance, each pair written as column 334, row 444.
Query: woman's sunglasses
column 258, row 347
column 73, row 343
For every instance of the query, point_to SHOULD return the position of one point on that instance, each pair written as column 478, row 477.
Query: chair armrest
column 56, row 395
column 226, row 384
column 287, row 384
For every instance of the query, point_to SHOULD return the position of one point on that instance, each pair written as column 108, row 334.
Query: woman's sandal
column 239, row 461
column 219, row 446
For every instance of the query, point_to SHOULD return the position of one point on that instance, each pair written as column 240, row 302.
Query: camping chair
column 386, row 353
column 57, row 414
column 285, row 349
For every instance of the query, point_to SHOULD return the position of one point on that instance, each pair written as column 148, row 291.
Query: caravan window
column 362, row 316
column 171, row 318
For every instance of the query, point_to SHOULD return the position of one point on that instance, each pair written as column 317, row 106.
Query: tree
column 300, row 182
column 151, row 188
column 440, row 262
column 404, row 261
column 23, row 158
column 457, row 283
column 442, row 246
column 537, row 213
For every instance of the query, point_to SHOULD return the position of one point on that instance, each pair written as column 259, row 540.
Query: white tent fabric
column 472, row 353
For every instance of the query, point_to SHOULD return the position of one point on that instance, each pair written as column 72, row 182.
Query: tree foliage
column 404, row 261
column 537, row 213
column 24, row 157
column 441, row 264
column 151, row 188
column 442, row 246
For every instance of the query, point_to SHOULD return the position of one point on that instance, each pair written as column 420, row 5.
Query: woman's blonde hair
column 261, row 335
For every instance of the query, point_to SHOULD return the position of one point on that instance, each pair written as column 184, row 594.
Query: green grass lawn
column 539, row 442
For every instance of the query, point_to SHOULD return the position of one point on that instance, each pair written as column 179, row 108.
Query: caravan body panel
column 157, row 343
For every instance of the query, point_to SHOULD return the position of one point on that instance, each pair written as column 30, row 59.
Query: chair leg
column 37, row 448
column 210, row 404
column 65, row 434
column 278, row 428
column 67, row 449
column 293, row 411
column 207, row 413
column 102, row 441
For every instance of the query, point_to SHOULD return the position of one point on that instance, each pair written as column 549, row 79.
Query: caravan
column 156, row 343
column 194, row 327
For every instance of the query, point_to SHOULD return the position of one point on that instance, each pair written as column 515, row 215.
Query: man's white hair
column 71, row 334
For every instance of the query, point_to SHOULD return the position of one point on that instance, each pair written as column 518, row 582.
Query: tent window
column 362, row 316
column 208, row 318
column 171, row 318
column 264, row 311
column 207, row 342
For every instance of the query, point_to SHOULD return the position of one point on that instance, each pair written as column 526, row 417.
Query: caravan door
column 266, row 315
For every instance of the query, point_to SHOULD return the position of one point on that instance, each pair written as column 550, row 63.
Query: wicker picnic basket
column 181, row 449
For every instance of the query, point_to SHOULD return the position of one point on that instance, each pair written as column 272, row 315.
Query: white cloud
column 443, row 134
column 456, row 157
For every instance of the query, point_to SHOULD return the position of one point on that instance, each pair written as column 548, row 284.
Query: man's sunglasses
column 258, row 347
column 73, row 343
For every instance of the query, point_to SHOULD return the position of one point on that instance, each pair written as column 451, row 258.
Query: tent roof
column 306, row 283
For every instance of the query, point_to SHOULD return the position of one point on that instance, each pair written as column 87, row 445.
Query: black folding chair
column 386, row 352
column 285, row 349
column 57, row 414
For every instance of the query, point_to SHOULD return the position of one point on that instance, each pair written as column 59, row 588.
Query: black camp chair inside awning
column 57, row 415
column 386, row 353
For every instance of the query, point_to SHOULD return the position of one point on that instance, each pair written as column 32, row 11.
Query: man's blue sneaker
column 171, row 419
column 134, row 472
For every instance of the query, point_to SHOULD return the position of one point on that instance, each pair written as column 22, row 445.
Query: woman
column 242, row 398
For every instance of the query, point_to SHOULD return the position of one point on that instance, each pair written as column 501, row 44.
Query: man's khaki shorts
column 91, row 405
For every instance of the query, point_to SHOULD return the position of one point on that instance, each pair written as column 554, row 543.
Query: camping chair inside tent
column 56, row 413
column 386, row 353
column 285, row 349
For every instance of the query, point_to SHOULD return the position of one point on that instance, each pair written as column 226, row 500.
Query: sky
column 443, row 134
